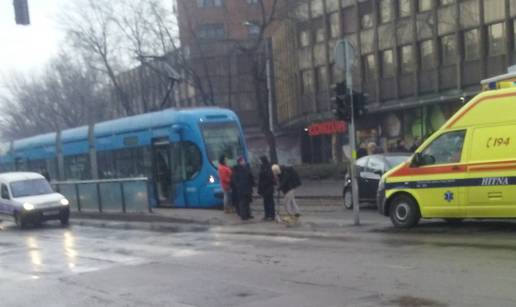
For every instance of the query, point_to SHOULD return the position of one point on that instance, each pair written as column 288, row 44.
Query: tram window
column 21, row 164
column 186, row 161
column 133, row 162
column 77, row 167
column 46, row 168
column 193, row 161
column 222, row 138
column 105, row 164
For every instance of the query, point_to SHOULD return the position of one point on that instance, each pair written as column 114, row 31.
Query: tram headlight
column 211, row 179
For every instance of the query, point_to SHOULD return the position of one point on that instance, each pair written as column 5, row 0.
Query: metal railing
column 109, row 195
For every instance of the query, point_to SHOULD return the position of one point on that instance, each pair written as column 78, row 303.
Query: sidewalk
column 326, row 189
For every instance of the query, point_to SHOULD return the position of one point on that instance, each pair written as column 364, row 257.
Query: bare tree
column 94, row 34
column 66, row 95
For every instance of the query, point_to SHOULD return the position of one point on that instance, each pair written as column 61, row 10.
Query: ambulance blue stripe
column 447, row 183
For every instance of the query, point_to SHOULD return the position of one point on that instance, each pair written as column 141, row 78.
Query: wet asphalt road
column 435, row 265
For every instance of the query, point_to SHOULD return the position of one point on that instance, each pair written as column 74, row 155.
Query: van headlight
column 28, row 206
column 64, row 202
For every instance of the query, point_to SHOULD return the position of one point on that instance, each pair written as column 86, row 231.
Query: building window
column 387, row 57
column 496, row 39
column 319, row 31
column 212, row 31
column 252, row 1
column 209, row 3
column 446, row 20
column 334, row 25
column 404, row 7
column 425, row 5
column 332, row 5
column 469, row 13
column 386, row 11
column 427, row 54
column 472, row 44
column 494, row 10
column 367, row 41
column 253, row 29
column 349, row 20
column 304, row 38
column 321, row 74
column 307, row 81
column 407, row 59
column 366, row 15
column 448, row 50
column 446, row 2
column 317, row 8
column 369, row 66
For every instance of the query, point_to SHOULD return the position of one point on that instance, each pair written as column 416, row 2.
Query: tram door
column 162, row 172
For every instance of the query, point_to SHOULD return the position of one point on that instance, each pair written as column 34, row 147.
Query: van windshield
column 30, row 187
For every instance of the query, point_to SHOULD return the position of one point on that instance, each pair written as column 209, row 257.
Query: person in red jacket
column 225, row 174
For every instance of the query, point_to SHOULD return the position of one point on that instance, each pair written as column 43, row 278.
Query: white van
column 29, row 199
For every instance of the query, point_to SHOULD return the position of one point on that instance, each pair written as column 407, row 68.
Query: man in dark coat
column 288, row 181
column 243, row 182
column 266, row 189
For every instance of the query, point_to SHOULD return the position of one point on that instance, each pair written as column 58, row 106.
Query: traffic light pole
column 352, row 143
column 344, row 56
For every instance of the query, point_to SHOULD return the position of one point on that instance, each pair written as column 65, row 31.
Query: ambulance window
column 447, row 148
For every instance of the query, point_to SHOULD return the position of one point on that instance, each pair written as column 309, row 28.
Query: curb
column 137, row 217
column 231, row 230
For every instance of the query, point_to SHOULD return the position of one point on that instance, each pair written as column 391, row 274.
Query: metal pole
column 352, row 136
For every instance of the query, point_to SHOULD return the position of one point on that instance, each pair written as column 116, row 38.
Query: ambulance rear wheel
column 404, row 211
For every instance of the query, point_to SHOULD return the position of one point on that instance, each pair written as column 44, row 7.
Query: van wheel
column 454, row 221
column 348, row 199
column 20, row 221
column 404, row 211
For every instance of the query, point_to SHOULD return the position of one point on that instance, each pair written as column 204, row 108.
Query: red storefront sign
column 330, row 127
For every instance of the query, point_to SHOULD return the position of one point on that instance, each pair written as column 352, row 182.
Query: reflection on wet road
column 88, row 266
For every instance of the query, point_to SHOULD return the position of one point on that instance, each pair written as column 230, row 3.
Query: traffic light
column 21, row 12
column 341, row 102
column 359, row 104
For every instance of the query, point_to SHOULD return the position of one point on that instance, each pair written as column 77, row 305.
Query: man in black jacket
column 266, row 189
column 288, row 182
column 243, row 184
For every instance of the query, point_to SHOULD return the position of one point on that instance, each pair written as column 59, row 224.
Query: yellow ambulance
column 467, row 169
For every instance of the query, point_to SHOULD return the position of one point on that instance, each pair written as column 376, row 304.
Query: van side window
column 447, row 148
column 5, row 192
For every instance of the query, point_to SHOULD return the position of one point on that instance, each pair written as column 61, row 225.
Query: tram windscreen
column 222, row 138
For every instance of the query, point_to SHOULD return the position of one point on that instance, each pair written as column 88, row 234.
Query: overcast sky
column 27, row 48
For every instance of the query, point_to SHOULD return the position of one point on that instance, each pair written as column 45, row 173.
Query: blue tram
column 177, row 149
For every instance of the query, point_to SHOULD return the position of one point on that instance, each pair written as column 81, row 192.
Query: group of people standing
column 238, row 182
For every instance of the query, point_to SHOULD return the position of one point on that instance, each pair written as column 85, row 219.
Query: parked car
column 369, row 171
column 29, row 199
